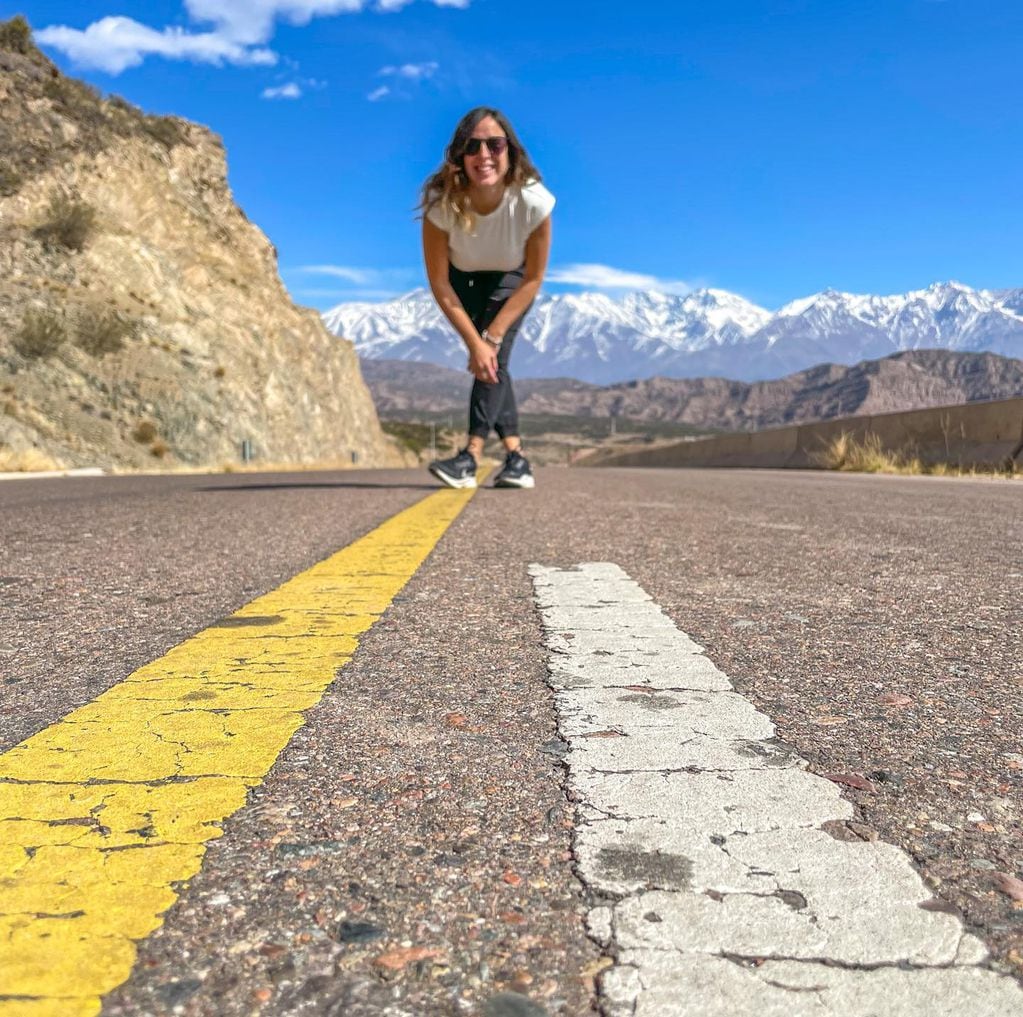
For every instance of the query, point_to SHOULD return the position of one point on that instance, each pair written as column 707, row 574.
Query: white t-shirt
column 498, row 242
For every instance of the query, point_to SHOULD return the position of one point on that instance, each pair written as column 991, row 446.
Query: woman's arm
column 538, row 248
column 482, row 358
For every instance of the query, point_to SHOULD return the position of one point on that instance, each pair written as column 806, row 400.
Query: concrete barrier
column 970, row 434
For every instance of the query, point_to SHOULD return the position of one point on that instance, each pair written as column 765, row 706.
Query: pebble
column 512, row 1004
column 358, row 932
column 981, row 863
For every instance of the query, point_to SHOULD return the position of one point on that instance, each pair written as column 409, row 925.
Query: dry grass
column 847, row 454
column 28, row 461
column 101, row 332
column 68, row 223
column 41, row 334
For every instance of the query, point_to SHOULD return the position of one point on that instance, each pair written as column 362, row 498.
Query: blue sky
column 768, row 147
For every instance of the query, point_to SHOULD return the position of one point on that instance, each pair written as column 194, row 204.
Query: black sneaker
column 458, row 471
column 516, row 472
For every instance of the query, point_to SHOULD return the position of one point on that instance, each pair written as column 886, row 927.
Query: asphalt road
column 875, row 620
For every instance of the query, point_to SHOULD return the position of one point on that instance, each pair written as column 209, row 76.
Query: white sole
column 527, row 481
column 465, row 482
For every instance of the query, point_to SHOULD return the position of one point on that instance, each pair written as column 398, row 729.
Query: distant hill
column 905, row 381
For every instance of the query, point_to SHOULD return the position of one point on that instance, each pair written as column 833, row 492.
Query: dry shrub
column 30, row 460
column 10, row 181
column 42, row 333
column 159, row 448
column 16, row 35
column 144, row 432
column 869, row 456
column 166, row 130
column 102, row 332
column 69, row 223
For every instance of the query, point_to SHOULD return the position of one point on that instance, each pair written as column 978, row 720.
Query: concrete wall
column 973, row 434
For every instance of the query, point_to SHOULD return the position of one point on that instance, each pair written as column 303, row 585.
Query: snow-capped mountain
column 594, row 338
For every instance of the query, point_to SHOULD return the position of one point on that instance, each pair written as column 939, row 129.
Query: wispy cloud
column 359, row 276
column 241, row 29
column 411, row 72
column 604, row 277
column 292, row 90
column 345, row 296
column 402, row 75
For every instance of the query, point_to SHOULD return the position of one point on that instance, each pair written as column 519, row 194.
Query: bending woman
column 486, row 239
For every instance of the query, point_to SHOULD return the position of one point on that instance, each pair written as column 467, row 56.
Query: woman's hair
column 449, row 185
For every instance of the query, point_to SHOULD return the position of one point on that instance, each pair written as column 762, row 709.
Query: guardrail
column 967, row 435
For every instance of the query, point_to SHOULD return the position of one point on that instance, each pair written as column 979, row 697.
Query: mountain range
column 904, row 381
column 709, row 332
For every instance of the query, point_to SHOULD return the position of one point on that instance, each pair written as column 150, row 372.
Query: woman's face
column 486, row 169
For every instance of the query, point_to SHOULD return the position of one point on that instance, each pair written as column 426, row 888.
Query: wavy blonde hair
column 449, row 185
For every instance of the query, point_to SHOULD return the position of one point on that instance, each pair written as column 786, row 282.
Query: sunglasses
column 495, row 146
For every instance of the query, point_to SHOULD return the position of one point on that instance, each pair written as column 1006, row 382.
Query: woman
column 486, row 238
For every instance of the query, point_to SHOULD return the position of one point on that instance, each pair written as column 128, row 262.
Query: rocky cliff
column 142, row 317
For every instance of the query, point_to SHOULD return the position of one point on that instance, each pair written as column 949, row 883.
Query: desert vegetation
column 27, row 461
column 10, row 180
column 16, row 35
column 101, row 332
column 850, row 455
column 68, row 223
column 41, row 334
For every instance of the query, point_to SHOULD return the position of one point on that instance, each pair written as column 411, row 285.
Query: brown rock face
column 142, row 317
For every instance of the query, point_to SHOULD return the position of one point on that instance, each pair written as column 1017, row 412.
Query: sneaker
column 516, row 472
column 458, row 471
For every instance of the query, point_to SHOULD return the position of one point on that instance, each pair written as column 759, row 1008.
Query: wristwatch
column 489, row 339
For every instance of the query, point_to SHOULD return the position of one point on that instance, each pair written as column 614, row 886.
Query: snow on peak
column 594, row 337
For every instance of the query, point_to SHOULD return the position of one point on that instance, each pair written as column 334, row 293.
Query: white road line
column 726, row 891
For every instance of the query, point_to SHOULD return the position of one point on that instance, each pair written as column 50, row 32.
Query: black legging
column 491, row 405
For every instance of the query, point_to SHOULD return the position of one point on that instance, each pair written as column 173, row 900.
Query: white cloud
column 241, row 28
column 348, row 295
column 604, row 277
column 404, row 76
column 411, row 72
column 114, row 44
column 253, row 21
column 359, row 276
column 289, row 91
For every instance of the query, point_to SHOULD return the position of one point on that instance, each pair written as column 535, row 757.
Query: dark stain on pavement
column 658, row 870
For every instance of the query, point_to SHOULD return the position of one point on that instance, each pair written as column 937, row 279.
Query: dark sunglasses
column 495, row 146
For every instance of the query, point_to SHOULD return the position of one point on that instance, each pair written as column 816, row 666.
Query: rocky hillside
column 905, row 381
column 142, row 318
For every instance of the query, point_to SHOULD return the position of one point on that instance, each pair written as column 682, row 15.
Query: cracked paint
column 106, row 814
column 709, row 849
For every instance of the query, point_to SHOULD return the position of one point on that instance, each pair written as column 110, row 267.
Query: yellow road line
column 105, row 812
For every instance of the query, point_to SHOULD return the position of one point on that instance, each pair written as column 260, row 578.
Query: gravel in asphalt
column 410, row 852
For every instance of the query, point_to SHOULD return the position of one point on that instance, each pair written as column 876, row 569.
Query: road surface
column 200, row 818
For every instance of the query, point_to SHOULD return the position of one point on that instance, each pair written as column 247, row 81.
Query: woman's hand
column 483, row 362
